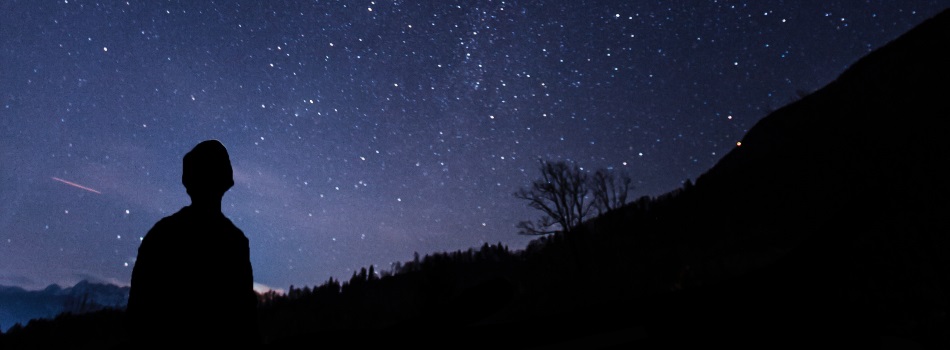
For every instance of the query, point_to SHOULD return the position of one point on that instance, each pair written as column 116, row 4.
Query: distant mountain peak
column 53, row 288
column 18, row 305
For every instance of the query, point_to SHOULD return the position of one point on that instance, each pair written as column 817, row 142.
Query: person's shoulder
column 232, row 236
column 233, row 229
column 166, row 224
column 182, row 215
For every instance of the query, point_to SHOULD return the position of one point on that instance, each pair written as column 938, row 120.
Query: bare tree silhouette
column 610, row 191
column 561, row 194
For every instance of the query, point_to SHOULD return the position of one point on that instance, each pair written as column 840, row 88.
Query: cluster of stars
column 360, row 134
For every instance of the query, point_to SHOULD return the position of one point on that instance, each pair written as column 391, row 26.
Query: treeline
column 574, row 281
column 435, row 289
column 491, row 287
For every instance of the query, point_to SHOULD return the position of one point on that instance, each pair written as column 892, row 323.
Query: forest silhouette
column 826, row 227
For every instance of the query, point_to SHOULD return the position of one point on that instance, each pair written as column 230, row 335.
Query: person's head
column 206, row 171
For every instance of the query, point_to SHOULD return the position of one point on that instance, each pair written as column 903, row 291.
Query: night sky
column 361, row 132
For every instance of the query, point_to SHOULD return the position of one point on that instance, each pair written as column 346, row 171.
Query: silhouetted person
column 192, row 282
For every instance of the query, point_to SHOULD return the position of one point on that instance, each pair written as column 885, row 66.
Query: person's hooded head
column 206, row 170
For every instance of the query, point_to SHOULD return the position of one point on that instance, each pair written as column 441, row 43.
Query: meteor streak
column 76, row 185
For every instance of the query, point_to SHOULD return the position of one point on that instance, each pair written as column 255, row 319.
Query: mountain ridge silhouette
column 18, row 305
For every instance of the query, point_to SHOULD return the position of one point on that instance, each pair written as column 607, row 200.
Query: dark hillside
column 839, row 206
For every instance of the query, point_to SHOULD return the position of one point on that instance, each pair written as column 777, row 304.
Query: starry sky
column 361, row 132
